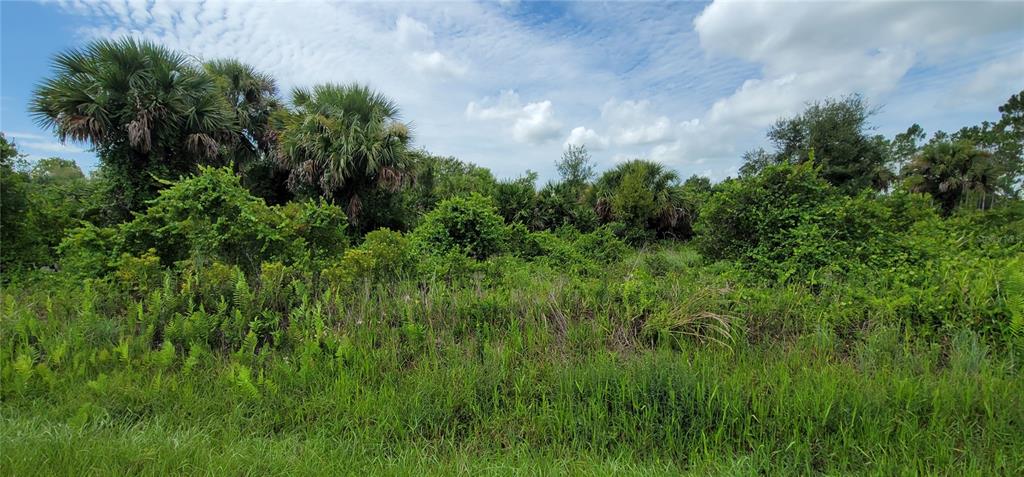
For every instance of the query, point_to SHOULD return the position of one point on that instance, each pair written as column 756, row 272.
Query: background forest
column 258, row 282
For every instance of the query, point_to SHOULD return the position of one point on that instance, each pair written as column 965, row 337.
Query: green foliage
column 212, row 217
column 150, row 113
column 209, row 217
column 343, row 141
column 469, row 225
column 563, row 204
column 384, row 255
column 321, row 227
column 516, row 199
column 643, row 195
column 15, row 233
column 746, row 213
column 836, row 132
column 789, row 222
column 951, row 172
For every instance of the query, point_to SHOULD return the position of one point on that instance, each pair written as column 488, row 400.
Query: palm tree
column 640, row 193
column 344, row 141
column 149, row 112
column 252, row 95
column 951, row 171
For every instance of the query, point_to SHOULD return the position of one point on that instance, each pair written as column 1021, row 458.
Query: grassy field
column 519, row 368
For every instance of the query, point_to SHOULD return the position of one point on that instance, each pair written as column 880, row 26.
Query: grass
column 520, row 371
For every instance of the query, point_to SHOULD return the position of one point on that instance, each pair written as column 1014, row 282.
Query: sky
column 507, row 85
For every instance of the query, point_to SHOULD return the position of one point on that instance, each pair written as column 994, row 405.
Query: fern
column 1013, row 292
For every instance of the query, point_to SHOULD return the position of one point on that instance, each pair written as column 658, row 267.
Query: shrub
column 787, row 222
column 320, row 225
column 211, row 217
column 516, row 199
column 601, row 245
column 208, row 216
column 470, row 225
column 90, row 250
column 755, row 213
column 383, row 255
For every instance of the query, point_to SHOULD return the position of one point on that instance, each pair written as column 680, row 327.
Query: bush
column 208, row 216
column 788, row 222
column 211, row 217
column 90, row 250
column 383, row 255
column 320, row 225
column 601, row 245
column 470, row 225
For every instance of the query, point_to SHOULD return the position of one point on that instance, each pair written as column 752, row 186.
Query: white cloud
column 532, row 123
column 34, row 143
column 998, row 79
column 413, row 33
column 581, row 136
column 632, row 123
column 701, row 82
column 537, row 124
column 437, row 63
column 835, row 48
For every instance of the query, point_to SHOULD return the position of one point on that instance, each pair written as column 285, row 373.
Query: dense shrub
column 470, row 225
column 564, row 204
column 208, row 216
column 212, row 217
column 516, row 199
column 643, row 195
column 788, row 222
column 320, row 225
column 383, row 255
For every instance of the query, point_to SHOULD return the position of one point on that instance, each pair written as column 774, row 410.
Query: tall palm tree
column 344, row 141
column 252, row 95
column 148, row 111
column 951, row 171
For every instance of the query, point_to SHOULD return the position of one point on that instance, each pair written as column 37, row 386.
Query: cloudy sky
column 508, row 84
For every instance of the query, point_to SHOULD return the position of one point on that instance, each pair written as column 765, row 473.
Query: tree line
column 155, row 116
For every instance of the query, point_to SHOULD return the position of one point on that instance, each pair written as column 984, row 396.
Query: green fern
column 1013, row 292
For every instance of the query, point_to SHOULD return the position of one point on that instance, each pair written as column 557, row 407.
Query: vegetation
column 308, row 293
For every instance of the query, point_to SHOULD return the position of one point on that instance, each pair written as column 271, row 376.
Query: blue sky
column 507, row 85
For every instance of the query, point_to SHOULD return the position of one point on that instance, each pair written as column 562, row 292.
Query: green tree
column 149, row 112
column 642, row 194
column 905, row 145
column 953, row 171
column 253, row 97
column 836, row 132
column 342, row 142
column 516, row 199
column 576, row 166
column 1004, row 140
column 16, row 230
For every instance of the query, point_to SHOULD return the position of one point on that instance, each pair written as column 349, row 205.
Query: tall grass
column 513, row 369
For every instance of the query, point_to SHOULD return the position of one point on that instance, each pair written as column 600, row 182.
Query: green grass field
column 521, row 370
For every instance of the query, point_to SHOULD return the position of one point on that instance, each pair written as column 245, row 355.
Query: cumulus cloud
column 581, row 136
column 632, row 123
column 814, row 50
column 532, row 122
